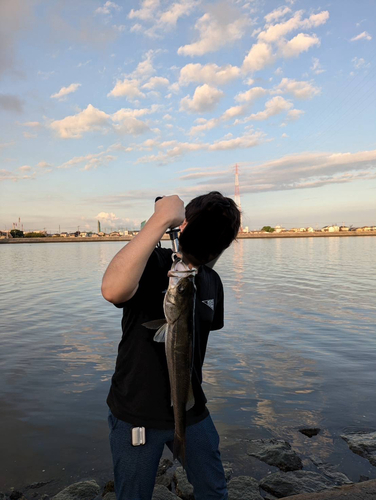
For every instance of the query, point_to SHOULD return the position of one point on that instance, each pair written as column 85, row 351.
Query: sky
column 105, row 105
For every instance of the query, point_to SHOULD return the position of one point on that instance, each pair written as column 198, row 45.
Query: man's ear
column 183, row 226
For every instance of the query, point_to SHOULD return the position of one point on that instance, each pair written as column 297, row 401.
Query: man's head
column 212, row 222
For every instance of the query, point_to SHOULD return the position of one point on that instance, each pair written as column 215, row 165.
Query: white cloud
column 204, row 99
column 299, row 89
column 107, row 7
column 126, row 120
column 277, row 14
column 284, row 136
column 248, row 140
column 170, row 150
column 360, row 63
column 316, row 66
column 148, row 8
column 274, row 106
column 88, row 162
column 44, row 164
column 362, row 36
column 123, row 121
column 145, row 68
column 162, row 20
column 106, row 216
column 32, row 124
column 275, row 32
column 74, row 126
column 302, row 171
column 177, row 10
column 208, row 73
column 251, row 94
column 128, row 88
column 25, row 168
column 155, row 82
column 29, row 135
column 294, row 114
column 300, row 43
column 205, row 125
column 215, row 32
column 64, row 91
column 260, row 56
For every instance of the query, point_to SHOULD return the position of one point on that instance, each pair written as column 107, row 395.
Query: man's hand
column 170, row 210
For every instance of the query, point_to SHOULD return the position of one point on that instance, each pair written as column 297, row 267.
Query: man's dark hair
column 213, row 222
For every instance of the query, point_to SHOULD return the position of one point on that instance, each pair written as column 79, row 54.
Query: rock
column 163, row 466
column 330, row 472
column 108, row 488
column 275, row 452
column 228, row 470
column 310, row 432
column 162, row 493
column 110, row 496
column 184, row 489
column 295, row 482
column 243, row 488
column 362, row 443
column 2, row 496
column 37, row 485
column 356, row 491
column 16, row 495
column 363, row 478
column 45, row 497
column 164, row 480
column 84, row 490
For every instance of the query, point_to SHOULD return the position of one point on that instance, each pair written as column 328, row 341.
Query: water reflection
column 297, row 350
column 238, row 269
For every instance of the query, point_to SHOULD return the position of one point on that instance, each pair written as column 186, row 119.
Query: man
column 136, row 280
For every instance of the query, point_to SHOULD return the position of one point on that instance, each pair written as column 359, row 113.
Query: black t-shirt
column 140, row 388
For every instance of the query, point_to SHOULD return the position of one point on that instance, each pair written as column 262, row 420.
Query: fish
column 178, row 334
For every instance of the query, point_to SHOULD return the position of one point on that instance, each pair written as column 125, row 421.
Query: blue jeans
column 135, row 467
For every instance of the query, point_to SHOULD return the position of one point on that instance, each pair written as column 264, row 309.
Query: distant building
column 344, row 228
column 279, row 229
column 310, row 230
column 64, row 234
column 331, row 229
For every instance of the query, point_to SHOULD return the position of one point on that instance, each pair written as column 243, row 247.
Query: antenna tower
column 237, row 195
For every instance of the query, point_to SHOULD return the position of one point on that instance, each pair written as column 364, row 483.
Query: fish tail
column 179, row 449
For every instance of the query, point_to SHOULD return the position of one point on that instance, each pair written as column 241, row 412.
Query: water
column 298, row 350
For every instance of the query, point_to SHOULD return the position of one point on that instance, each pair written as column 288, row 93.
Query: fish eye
column 181, row 288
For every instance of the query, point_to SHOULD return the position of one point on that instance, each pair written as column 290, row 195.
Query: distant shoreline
column 241, row 236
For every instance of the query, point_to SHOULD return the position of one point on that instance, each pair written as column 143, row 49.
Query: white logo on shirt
column 209, row 303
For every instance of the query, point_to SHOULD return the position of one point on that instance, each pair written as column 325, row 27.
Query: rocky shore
column 291, row 481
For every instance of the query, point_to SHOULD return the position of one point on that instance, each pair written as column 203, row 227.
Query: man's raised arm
column 120, row 281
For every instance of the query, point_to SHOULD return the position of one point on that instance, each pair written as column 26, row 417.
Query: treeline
column 16, row 233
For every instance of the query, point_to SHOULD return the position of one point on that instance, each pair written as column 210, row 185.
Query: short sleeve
column 154, row 274
column 218, row 320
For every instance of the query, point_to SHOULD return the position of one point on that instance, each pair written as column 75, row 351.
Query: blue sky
column 106, row 105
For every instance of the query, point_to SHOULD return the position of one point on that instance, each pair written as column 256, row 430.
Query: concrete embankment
column 241, row 236
column 358, row 491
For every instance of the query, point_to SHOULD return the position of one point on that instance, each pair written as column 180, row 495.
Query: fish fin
column 191, row 399
column 160, row 336
column 179, row 449
column 155, row 324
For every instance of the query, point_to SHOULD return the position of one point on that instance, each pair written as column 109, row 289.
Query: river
column 298, row 350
